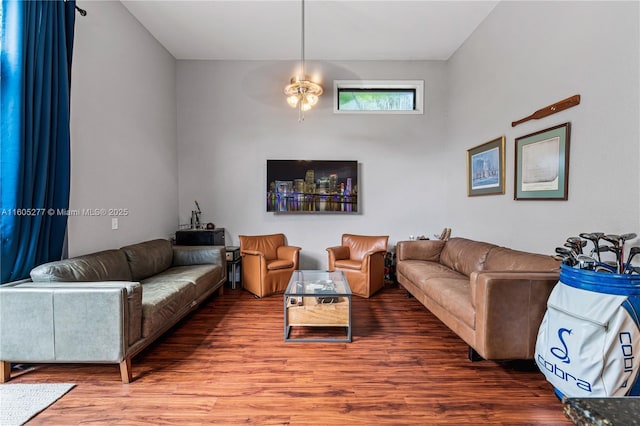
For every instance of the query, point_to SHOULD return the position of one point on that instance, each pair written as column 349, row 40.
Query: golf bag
column 589, row 340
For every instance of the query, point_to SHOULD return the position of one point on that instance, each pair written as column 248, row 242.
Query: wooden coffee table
column 317, row 299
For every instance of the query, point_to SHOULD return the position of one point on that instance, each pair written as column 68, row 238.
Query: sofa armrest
column 68, row 322
column 199, row 255
column 419, row 250
column 509, row 310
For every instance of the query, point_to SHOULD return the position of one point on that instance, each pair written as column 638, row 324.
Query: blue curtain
column 37, row 45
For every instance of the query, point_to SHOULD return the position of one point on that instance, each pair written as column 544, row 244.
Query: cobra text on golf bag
column 589, row 340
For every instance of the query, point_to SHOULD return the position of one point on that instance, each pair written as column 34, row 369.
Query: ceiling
column 335, row 29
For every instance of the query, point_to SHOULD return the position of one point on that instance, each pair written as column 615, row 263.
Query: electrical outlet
column 114, row 223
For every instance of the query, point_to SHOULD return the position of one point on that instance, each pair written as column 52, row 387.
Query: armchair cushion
column 279, row 264
column 349, row 264
column 361, row 258
column 267, row 245
column 361, row 245
column 267, row 263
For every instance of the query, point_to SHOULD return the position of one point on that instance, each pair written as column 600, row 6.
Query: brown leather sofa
column 493, row 297
column 361, row 259
column 267, row 263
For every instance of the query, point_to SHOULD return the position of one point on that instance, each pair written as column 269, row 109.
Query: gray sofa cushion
column 162, row 301
column 148, row 258
column 203, row 277
column 195, row 255
column 108, row 265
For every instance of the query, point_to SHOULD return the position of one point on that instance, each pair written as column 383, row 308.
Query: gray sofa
column 107, row 306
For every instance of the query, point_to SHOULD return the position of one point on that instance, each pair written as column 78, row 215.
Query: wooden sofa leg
column 473, row 355
column 125, row 371
column 6, row 371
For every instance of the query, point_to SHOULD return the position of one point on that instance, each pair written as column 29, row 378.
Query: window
column 378, row 97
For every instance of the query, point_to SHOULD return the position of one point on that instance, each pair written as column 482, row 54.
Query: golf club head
column 613, row 239
column 594, row 237
column 633, row 251
column 587, row 262
column 627, row 237
column 575, row 249
column 565, row 251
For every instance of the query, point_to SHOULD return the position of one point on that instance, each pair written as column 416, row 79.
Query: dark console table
column 200, row 237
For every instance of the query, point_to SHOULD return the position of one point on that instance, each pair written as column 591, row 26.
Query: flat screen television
column 312, row 186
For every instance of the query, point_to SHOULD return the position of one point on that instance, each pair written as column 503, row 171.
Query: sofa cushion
column 453, row 294
column 148, row 258
column 465, row 256
column 420, row 270
column 420, row 250
column 161, row 300
column 108, row 265
column 195, row 255
column 203, row 277
column 505, row 259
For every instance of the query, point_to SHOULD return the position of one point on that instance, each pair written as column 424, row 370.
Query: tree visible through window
column 379, row 96
column 377, row 99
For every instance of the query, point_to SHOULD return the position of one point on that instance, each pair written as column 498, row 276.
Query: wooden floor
column 227, row 363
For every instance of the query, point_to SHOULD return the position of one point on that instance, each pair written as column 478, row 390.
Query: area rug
column 19, row 402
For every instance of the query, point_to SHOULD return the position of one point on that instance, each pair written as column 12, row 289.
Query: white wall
column 527, row 55
column 123, row 131
column 229, row 117
column 233, row 116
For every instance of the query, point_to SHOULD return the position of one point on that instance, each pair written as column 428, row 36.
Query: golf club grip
column 551, row 109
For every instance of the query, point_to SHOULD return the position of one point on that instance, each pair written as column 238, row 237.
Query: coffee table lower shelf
column 313, row 313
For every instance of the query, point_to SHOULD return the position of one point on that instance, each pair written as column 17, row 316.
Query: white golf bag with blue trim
column 589, row 340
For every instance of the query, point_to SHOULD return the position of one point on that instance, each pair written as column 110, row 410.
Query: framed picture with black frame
column 485, row 168
column 542, row 164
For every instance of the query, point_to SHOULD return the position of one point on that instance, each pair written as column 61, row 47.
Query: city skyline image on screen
column 312, row 186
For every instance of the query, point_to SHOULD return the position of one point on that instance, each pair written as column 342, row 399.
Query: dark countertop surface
column 618, row 411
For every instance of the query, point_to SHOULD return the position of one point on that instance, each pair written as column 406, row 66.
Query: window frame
column 380, row 85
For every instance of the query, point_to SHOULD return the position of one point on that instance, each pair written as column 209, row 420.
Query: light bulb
column 305, row 106
column 311, row 99
column 293, row 100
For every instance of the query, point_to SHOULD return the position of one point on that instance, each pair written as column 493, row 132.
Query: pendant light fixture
column 302, row 93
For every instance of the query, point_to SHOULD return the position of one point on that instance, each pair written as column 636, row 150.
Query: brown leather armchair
column 361, row 259
column 267, row 263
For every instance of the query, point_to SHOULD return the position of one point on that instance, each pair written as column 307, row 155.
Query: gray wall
column 152, row 135
column 233, row 116
column 123, row 131
column 527, row 55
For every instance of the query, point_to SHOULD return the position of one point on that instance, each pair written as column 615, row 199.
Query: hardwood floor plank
column 227, row 363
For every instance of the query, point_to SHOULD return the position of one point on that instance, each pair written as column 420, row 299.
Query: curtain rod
column 82, row 11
